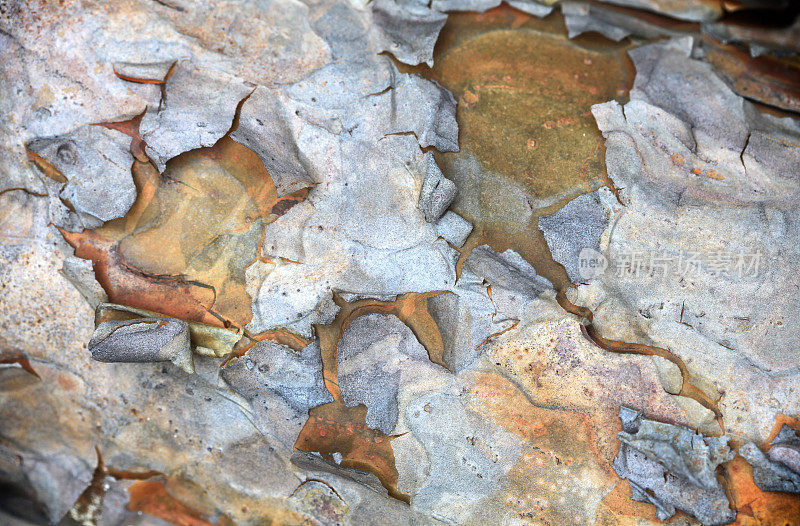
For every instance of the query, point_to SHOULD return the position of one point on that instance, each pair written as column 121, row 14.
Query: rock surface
column 232, row 289
column 673, row 467
column 779, row 469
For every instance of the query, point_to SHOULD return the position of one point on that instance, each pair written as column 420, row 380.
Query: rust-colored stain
column 20, row 359
column 131, row 129
column 560, row 466
column 753, row 506
column 335, row 428
column 183, row 247
column 519, row 78
column 766, row 79
column 152, row 498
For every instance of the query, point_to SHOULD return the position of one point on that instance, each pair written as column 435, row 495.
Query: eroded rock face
column 375, row 357
column 688, row 158
column 238, row 172
column 779, row 468
column 673, row 467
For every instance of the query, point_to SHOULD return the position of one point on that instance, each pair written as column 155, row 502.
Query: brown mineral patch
column 780, row 420
column 335, row 428
column 183, row 248
column 560, row 471
column 20, row 359
column 557, row 368
column 131, row 129
column 525, row 91
column 153, row 499
column 756, row 507
column 138, row 80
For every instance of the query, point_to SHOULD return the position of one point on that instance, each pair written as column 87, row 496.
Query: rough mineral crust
column 673, row 467
column 198, row 109
column 453, row 228
column 97, row 164
column 280, row 386
column 779, row 468
column 521, row 426
column 437, row 191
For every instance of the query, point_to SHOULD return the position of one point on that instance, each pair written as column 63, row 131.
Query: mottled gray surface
column 143, row 340
column 198, row 110
column 453, row 228
column 698, row 257
column 369, row 357
column 80, row 273
column 437, row 191
column 466, row 458
column 407, row 29
column 786, row 448
column 97, row 164
column 348, row 496
column 340, row 117
column 433, row 122
column 42, row 486
column 673, row 467
column 528, row 6
column 281, row 385
column 265, row 126
column 514, row 281
column 578, row 225
column 468, row 316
